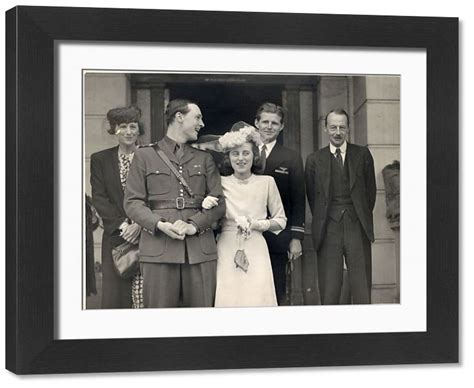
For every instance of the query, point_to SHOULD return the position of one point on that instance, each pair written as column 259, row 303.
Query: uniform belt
column 177, row 203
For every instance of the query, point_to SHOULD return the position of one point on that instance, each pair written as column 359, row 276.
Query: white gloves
column 260, row 225
column 209, row 202
column 243, row 224
column 246, row 225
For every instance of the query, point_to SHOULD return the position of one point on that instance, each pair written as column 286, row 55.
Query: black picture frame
column 31, row 189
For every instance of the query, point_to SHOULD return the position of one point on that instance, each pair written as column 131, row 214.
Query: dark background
column 223, row 105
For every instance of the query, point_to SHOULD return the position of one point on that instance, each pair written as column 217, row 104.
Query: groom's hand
column 184, row 228
column 170, row 230
column 209, row 202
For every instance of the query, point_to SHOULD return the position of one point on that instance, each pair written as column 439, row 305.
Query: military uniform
column 155, row 194
column 286, row 167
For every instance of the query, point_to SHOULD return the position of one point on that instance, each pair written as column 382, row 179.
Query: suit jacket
column 150, row 179
column 286, row 167
column 107, row 198
column 107, row 193
column 361, row 182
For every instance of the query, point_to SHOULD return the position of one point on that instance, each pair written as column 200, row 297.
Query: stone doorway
column 224, row 104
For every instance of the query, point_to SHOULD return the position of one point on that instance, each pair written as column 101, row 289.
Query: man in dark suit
column 286, row 167
column 177, row 251
column 340, row 184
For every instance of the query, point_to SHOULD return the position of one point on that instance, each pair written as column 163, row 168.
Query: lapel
column 324, row 167
column 114, row 166
column 353, row 159
column 273, row 160
column 163, row 145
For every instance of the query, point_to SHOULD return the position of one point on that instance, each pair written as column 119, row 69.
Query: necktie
column 179, row 151
column 339, row 157
column 263, row 157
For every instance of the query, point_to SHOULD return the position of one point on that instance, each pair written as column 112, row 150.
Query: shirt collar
column 170, row 143
column 129, row 156
column 343, row 148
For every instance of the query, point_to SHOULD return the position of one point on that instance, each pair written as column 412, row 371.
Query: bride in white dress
column 244, row 271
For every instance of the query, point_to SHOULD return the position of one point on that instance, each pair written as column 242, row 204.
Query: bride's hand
column 260, row 225
column 209, row 202
column 242, row 222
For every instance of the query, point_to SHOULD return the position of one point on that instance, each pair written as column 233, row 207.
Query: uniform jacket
column 150, row 179
column 286, row 167
column 362, row 186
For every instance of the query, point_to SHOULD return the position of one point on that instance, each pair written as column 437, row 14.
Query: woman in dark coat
column 109, row 171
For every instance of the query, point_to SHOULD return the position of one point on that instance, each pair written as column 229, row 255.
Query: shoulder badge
column 147, row 145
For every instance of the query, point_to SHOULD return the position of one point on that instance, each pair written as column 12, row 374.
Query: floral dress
column 125, row 160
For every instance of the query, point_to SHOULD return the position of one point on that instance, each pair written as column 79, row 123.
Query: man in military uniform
column 286, row 167
column 178, row 252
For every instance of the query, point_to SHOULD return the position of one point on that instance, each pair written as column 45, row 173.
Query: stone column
column 102, row 92
column 157, row 108
column 376, row 123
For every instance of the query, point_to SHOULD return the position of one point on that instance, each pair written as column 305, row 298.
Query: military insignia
column 146, row 145
column 197, row 165
column 282, row 170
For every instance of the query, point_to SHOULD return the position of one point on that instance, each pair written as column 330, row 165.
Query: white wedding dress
column 250, row 198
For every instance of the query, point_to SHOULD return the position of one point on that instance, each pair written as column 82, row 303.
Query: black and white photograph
column 240, row 189
column 192, row 190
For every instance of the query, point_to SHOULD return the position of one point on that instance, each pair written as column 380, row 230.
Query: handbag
column 241, row 261
column 126, row 260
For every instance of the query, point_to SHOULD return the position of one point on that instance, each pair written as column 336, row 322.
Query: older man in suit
column 164, row 195
column 286, row 167
column 340, row 185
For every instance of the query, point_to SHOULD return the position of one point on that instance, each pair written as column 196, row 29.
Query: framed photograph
column 395, row 79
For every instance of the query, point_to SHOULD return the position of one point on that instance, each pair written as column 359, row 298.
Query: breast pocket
column 158, row 181
column 197, row 178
